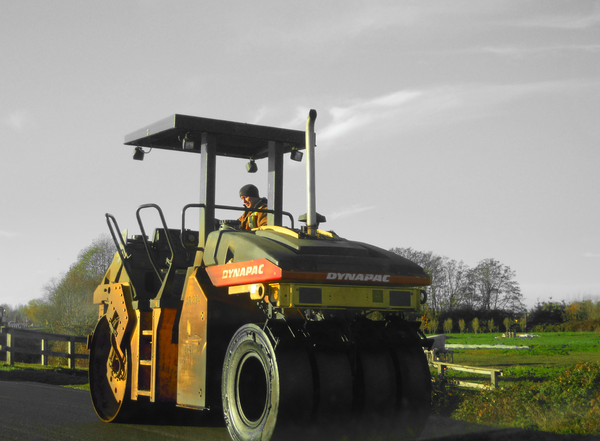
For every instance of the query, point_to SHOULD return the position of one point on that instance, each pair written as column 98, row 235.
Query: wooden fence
column 492, row 373
column 10, row 335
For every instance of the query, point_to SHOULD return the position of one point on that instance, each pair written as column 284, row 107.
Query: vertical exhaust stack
column 311, row 196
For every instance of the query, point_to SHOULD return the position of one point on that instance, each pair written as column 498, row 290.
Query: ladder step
column 144, row 393
column 147, row 332
column 145, row 362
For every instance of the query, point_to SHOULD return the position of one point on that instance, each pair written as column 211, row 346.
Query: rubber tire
column 110, row 406
column 250, row 387
column 414, row 380
column 296, row 386
column 334, row 385
column 378, row 383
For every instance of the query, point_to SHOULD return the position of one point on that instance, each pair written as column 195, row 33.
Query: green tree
column 67, row 306
column 461, row 325
column 6, row 308
column 448, row 325
column 546, row 313
column 582, row 310
column 523, row 323
column 38, row 312
column 432, row 325
column 16, row 313
column 475, row 325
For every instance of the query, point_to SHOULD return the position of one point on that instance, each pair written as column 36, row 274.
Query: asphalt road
column 35, row 411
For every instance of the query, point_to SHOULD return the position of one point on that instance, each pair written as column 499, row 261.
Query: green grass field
column 549, row 349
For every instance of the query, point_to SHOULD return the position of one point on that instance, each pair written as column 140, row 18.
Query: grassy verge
column 567, row 402
column 553, row 386
column 76, row 378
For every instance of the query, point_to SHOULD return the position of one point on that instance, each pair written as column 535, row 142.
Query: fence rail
column 13, row 334
column 493, row 374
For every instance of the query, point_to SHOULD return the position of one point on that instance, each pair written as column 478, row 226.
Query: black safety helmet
column 249, row 190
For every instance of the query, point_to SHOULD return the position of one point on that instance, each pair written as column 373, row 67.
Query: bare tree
column 449, row 279
column 434, row 266
column 454, row 284
column 493, row 286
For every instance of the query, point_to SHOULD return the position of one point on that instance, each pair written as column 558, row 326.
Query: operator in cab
column 251, row 199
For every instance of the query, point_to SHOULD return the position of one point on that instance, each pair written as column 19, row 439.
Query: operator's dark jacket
column 253, row 219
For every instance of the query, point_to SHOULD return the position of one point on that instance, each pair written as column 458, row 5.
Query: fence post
column 495, row 380
column 44, row 349
column 71, row 352
column 441, row 368
column 3, row 346
column 10, row 343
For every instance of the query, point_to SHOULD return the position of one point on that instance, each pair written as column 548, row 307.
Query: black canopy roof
column 233, row 139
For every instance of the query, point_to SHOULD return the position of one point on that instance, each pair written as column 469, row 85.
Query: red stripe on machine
column 241, row 273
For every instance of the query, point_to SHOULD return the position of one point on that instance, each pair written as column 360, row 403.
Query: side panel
column 295, row 295
column 164, row 354
column 191, row 370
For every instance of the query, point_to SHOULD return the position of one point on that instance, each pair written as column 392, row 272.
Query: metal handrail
column 225, row 207
column 145, row 238
column 111, row 221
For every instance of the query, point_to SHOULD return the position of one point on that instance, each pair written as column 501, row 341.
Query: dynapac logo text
column 358, row 277
column 246, row 271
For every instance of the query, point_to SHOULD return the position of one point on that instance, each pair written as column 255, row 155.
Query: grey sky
column 465, row 128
